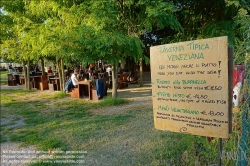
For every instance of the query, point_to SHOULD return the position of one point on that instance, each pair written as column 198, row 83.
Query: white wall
column 6, row 65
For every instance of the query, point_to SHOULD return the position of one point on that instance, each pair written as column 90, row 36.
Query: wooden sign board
column 190, row 87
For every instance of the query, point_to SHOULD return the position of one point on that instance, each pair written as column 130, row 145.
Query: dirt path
column 137, row 96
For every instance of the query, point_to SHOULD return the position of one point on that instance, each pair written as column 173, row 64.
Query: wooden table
column 17, row 78
column 55, row 80
column 35, row 81
column 50, row 76
column 85, row 86
column 22, row 80
column 39, row 73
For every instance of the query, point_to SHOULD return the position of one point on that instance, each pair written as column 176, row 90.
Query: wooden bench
column 52, row 87
column 134, row 78
column 122, row 81
column 83, row 89
column 44, row 84
column 93, row 95
column 22, row 80
column 11, row 80
column 54, row 84
column 75, row 93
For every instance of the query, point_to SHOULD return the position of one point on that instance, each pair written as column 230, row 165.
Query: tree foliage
column 206, row 19
column 85, row 31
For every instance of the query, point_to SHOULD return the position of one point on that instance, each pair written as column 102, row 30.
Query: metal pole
column 220, row 151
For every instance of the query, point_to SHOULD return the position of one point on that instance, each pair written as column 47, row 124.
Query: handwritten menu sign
column 190, row 87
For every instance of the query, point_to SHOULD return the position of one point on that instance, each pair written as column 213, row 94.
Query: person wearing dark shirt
column 125, row 69
column 49, row 70
column 36, row 69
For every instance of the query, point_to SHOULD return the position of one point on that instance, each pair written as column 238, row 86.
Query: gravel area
column 2, row 87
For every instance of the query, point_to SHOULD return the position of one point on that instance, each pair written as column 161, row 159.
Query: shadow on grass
column 129, row 138
column 53, row 123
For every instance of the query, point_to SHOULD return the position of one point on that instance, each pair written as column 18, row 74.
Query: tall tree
column 58, row 33
column 118, row 25
column 19, row 35
column 205, row 19
column 93, row 30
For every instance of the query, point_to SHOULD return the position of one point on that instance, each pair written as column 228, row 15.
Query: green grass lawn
column 3, row 77
column 56, row 121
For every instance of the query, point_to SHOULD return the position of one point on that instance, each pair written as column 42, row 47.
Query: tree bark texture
column 141, row 73
column 114, row 79
column 62, row 80
column 25, row 74
column 42, row 63
column 58, row 64
column 27, row 81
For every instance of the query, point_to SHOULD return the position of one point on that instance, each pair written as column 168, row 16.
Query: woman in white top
column 74, row 78
column 109, row 70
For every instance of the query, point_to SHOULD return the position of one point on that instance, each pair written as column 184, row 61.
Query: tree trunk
column 25, row 74
column 141, row 73
column 114, row 79
column 58, row 64
column 62, row 81
column 42, row 62
column 28, row 75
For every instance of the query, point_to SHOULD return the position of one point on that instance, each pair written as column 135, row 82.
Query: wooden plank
column 190, row 87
